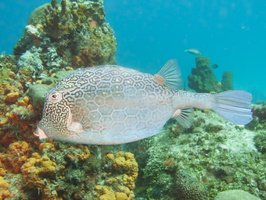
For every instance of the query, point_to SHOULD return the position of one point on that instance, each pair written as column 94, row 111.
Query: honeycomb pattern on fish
column 111, row 101
column 113, row 105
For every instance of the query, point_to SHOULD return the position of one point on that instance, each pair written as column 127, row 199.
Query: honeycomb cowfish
column 109, row 104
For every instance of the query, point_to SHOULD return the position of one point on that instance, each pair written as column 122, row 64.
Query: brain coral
column 189, row 188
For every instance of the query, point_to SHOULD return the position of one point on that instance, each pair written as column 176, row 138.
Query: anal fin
column 184, row 116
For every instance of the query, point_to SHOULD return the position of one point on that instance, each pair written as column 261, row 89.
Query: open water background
column 231, row 32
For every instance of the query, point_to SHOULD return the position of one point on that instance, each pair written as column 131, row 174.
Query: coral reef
column 37, row 91
column 37, row 172
column 124, row 162
column 260, row 142
column 59, row 38
column 121, row 182
column 189, row 188
column 213, row 155
column 202, row 78
column 195, row 163
column 259, row 117
column 60, row 35
column 15, row 157
column 16, row 111
column 4, row 189
column 259, row 111
column 259, row 124
column 56, row 170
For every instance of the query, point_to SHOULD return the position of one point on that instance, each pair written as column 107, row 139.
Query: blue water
column 231, row 32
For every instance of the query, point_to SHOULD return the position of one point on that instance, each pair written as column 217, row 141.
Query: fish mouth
column 40, row 133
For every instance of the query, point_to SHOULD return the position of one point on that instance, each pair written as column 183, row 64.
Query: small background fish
column 193, row 51
column 215, row 66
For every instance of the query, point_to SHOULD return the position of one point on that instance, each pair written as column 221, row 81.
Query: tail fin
column 234, row 106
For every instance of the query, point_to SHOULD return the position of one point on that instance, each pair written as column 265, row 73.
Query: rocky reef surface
column 196, row 163
column 59, row 170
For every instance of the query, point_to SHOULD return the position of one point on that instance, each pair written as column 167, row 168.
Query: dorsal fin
column 169, row 75
column 184, row 116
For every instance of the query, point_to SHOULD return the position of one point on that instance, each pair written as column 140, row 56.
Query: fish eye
column 55, row 96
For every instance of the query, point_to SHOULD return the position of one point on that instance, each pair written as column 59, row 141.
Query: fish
column 193, row 51
column 215, row 66
column 110, row 104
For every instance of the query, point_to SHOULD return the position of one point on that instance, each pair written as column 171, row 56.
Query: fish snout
column 40, row 133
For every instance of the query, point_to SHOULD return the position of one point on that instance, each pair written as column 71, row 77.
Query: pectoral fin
column 76, row 127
